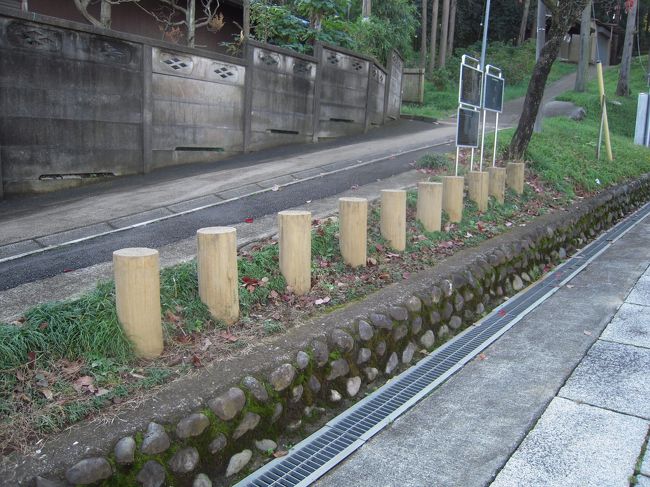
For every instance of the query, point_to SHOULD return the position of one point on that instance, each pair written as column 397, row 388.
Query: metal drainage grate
column 317, row 454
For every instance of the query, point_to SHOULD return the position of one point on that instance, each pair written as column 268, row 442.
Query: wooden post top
column 215, row 230
column 135, row 252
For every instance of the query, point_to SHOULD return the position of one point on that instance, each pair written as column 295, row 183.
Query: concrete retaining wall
column 413, row 85
column 79, row 103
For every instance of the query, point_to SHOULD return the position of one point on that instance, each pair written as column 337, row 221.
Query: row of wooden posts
column 137, row 273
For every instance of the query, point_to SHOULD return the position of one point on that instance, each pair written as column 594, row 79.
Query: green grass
column 564, row 154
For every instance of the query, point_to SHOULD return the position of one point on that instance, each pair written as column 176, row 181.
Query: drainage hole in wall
column 200, row 149
column 82, row 175
column 344, row 120
column 279, row 131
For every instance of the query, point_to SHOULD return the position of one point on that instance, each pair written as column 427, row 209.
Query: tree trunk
column 366, row 9
column 452, row 28
column 423, row 39
column 585, row 51
column 524, row 23
column 24, row 6
column 623, row 87
column 534, row 95
column 105, row 14
column 442, row 59
column 434, row 35
column 190, row 19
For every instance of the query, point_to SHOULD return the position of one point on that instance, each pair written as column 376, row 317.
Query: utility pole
column 486, row 21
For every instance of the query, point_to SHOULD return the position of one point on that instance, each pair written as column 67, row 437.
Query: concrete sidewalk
column 563, row 398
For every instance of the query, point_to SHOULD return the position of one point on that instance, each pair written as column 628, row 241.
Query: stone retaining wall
column 251, row 414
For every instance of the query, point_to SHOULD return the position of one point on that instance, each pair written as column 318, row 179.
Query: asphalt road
column 97, row 250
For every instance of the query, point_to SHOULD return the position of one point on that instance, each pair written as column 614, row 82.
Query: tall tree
column 442, row 59
column 563, row 14
column 524, row 23
column 434, row 34
column 623, row 86
column 423, row 36
column 452, row 28
column 585, row 44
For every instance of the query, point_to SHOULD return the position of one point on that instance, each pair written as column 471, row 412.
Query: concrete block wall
column 79, row 103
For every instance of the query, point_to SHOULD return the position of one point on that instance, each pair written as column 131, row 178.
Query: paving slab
column 269, row 183
column 77, row 233
column 195, row 203
column 241, row 191
column 642, row 481
column 576, row 444
column 631, row 326
column 136, row 218
column 641, row 292
column 613, row 376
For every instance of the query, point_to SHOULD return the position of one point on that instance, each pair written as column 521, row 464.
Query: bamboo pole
column 497, row 183
column 603, row 105
column 479, row 186
column 295, row 249
column 515, row 176
column 137, row 298
column 429, row 209
column 393, row 217
column 217, row 272
column 353, row 230
column 452, row 197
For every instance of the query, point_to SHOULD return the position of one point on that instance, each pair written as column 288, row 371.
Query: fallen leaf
column 379, row 247
column 226, row 335
column 43, row 325
column 406, row 275
column 372, row 261
column 275, row 188
column 280, row 453
column 482, row 356
column 137, row 376
column 20, row 376
column 248, row 220
column 354, row 186
column 196, row 361
column 101, row 392
column 68, row 270
column 502, row 312
column 324, row 300
column 83, row 382
column 587, row 332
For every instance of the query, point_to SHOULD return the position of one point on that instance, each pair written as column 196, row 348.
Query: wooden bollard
column 295, row 249
column 353, row 230
column 498, row 183
column 216, row 261
column 452, row 197
column 137, row 298
column 429, row 210
column 515, row 176
column 393, row 217
column 479, row 187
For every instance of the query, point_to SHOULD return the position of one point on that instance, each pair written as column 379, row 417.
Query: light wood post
column 452, row 197
column 216, row 261
column 137, row 298
column 429, row 210
column 515, row 176
column 353, row 230
column 479, row 186
column 498, row 183
column 393, row 217
column 295, row 249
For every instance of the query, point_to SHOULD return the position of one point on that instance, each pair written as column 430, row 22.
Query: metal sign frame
column 473, row 110
column 496, row 76
column 466, row 63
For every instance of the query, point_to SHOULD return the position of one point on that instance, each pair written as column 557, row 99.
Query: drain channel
column 313, row 457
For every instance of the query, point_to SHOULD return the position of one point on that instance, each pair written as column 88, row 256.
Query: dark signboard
column 471, row 80
column 493, row 94
column 467, row 127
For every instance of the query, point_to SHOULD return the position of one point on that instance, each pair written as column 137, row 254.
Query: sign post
column 493, row 88
column 470, row 91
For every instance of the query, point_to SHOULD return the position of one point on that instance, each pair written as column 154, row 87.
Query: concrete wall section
column 197, row 108
column 70, row 104
column 344, row 87
column 394, row 92
column 282, row 108
column 376, row 95
column 413, row 85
